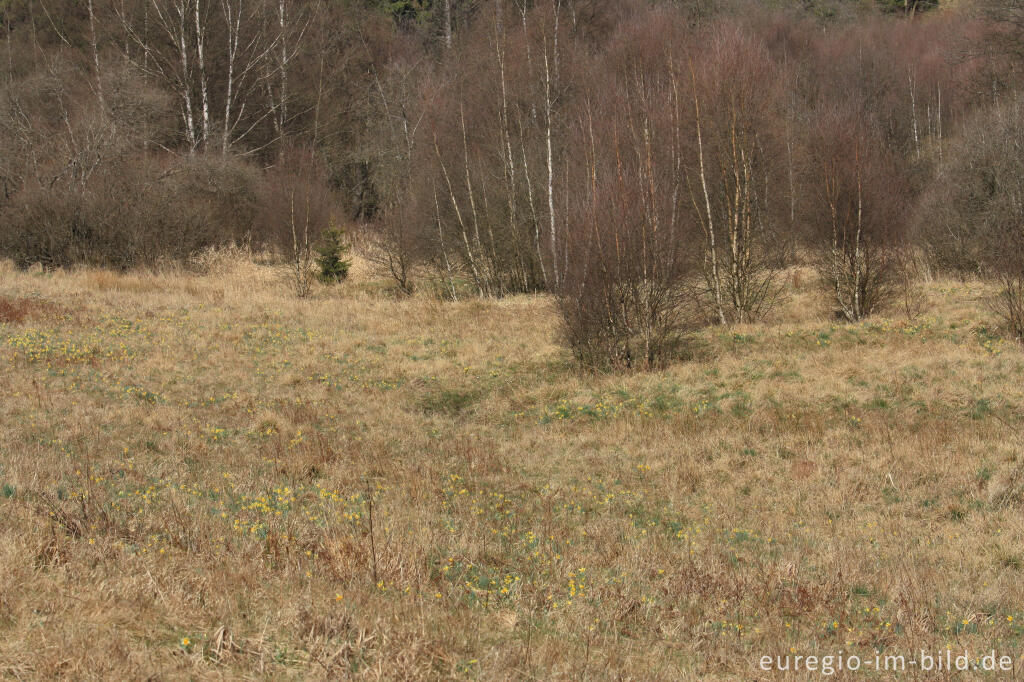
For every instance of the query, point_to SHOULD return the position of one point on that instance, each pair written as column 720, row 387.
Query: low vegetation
column 204, row 476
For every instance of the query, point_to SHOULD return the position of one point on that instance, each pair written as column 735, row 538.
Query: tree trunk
column 709, row 226
column 551, row 169
column 448, row 24
column 283, row 100
column 203, row 89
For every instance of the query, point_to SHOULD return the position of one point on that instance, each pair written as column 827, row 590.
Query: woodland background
column 653, row 164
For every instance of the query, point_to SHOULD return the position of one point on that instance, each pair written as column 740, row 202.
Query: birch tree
column 734, row 177
column 173, row 43
column 858, row 195
column 167, row 41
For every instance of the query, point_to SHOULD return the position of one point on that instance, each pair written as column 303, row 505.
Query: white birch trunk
column 204, row 95
column 551, row 170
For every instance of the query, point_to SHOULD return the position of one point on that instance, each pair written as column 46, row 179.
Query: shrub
column 626, row 324
column 625, row 298
column 132, row 214
column 857, row 229
column 1009, row 305
column 300, row 259
column 294, row 196
column 969, row 220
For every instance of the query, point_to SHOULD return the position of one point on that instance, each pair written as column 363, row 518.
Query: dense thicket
column 653, row 164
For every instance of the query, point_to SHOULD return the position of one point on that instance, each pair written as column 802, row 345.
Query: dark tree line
column 652, row 164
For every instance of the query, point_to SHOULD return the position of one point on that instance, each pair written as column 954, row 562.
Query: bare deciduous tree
column 624, row 297
column 858, row 202
column 736, row 111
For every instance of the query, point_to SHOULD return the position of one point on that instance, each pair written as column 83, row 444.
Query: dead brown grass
column 203, row 477
column 15, row 311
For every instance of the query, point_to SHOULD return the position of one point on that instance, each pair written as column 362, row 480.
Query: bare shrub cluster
column 659, row 180
column 972, row 216
column 624, row 285
column 855, row 218
column 134, row 213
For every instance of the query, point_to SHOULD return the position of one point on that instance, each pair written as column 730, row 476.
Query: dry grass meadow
column 203, row 477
